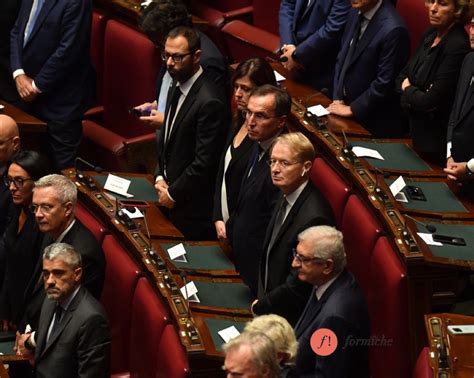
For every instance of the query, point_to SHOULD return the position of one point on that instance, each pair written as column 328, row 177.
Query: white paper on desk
column 189, row 292
column 177, row 253
column 318, row 110
column 278, row 76
column 228, row 333
column 428, row 239
column 119, row 185
column 367, row 152
column 397, row 185
column 1, row 106
column 135, row 214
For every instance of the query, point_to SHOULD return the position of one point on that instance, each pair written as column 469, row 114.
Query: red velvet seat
column 97, row 49
column 415, row 14
column 171, row 356
column 120, row 141
column 121, row 278
column 388, row 308
column 332, row 186
column 91, row 222
column 260, row 39
column 218, row 14
column 361, row 231
column 422, row 368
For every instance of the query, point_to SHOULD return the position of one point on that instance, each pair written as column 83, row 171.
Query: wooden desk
column 459, row 349
column 26, row 123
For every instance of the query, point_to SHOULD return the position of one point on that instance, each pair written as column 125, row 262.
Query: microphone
column 86, row 180
column 192, row 331
column 123, row 217
column 184, row 276
column 157, row 260
column 442, row 354
column 377, row 189
column 429, row 227
column 347, row 151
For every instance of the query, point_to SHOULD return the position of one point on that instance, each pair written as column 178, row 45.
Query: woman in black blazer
column 248, row 75
column 428, row 82
column 22, row 238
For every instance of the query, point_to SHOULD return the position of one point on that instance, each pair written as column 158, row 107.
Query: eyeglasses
column 306, row 260
column 177, row 58
column 17, row 181
column 259, row 117
column 2, row 142
column 282, row 163
column 44, row 207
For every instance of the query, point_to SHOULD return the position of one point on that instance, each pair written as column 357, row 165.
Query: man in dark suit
column 54, row 203
column 374, row 48
column 191, row 141
column 8, row 14
column 310, row 34
column 73, row 336
column 158, row 19
column 50, row 63
column 300, row 206
column 336, row 304
column 460, row 164
column 267, row 111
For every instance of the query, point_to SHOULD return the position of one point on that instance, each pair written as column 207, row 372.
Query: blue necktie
column 33, row 17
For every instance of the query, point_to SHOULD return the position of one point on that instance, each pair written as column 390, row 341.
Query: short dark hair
column 258, row 70
column 282, row 98
column 32, row 162
column 191, row 35
column 161, row 16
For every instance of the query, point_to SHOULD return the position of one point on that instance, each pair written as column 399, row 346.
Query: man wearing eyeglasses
column 191, row 141
column 266, row 114
column 54, row 205
column 300, row 206
column 336, row 308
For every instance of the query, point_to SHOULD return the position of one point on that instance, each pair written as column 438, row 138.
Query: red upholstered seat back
column 225, row 5
column 388, row 309
column 91, row 222
column 265, row 15
column 121, row 277
column 361, row 231
column 332, row 186
column 149, row 318
column 131, row 65
column 97, row 49
column 415, row 14
column 422, row 368
column 171, row 357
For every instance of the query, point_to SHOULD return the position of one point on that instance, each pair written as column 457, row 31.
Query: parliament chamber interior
column 409, row 286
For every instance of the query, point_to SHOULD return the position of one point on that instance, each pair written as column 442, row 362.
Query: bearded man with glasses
column 300, row 205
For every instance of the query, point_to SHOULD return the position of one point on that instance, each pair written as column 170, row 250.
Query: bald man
column 9, row 145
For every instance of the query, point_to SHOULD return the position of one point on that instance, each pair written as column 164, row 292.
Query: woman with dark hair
column 249, row 74
column 428, row 82
column 22, row 239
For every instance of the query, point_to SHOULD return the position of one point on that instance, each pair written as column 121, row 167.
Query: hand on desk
column 220, row 229
column 290, row 64
column 24, row 86
column 339, row 108
column 456, row 171
column 163, row 196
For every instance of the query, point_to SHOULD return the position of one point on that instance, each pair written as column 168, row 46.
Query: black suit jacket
column 381, row 53
column 191, row 156
column 247, row 225
column 80, row 347
column 461, row 121
column 285, row 294
column 343, row 310
column 93, row 271
column 430, row 97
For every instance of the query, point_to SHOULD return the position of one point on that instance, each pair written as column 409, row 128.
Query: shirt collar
column 63, row 234
column 371, row 12
column 266, row 144
column 320, row 290
column 65, row 304
column 292, row 197
column 186, row 86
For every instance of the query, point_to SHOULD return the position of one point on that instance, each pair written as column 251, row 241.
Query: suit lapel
column 370, row 32
column 45, row 321
column 47, row 6
column 469, row 92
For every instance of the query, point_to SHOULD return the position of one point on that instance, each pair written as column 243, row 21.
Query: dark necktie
column 35, row 11
column 468, row 96
column 308, row 313
column 349, row 55
column 279, row 219
column 58, row 313
column 175, row 96
column 256, row 158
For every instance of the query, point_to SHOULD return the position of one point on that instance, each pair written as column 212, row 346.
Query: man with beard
column 190, row 143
